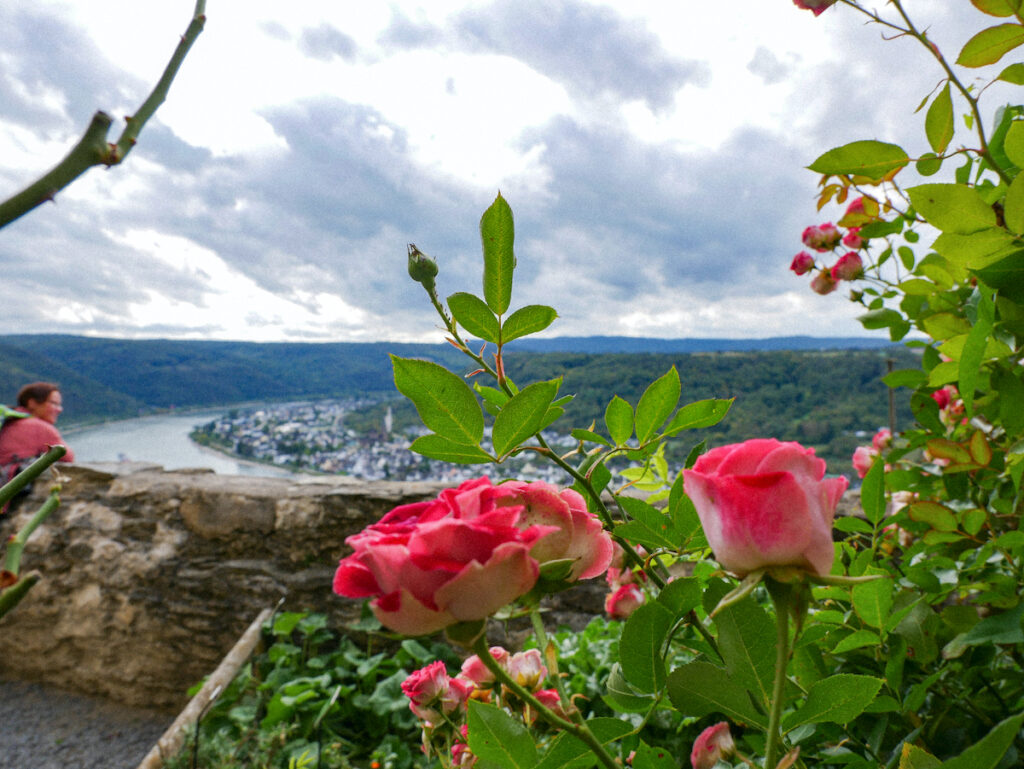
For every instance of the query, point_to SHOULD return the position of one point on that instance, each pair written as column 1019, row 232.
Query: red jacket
column 25, row 439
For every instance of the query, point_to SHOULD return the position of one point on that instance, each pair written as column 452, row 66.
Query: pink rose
column 765, row 503
column 433, row 693
column 714, row 743
column 623, row 601
column 849, row 267
column 818, row 6
column 475, row 670
column 882, row 439
column 822, row 238
column 527, row 669
column 458, row 558
column 823, row 283
column 852, row 238
column 863, row 458
column 577, row 533
column 802, row 263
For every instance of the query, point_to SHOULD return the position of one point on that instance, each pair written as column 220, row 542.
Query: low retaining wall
column 150, row 576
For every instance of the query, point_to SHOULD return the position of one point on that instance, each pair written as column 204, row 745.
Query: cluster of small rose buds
column 439, row 700
column 827, row 238
column 625, row 595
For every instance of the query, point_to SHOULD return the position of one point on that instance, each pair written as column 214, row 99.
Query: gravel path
column 42, row 727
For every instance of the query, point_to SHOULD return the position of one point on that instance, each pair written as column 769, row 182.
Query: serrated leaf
column 648, row 757
column 497, row 234
column 569, row 752
column 747, row 644
column 523, row 415
column 873, row 601
column 699, row 414
column 856, row 640
column 640, row 651
column 997, row 7
column 938, row 516
column 990, row 45
column 874, row 160
column 980, row 249
column 586, row 435
column 658, row 401
column 439, row 447
column 872, row 493
column 836, row 699
column 496, row 736
column 1013, row 74
column 938, row 122
column 990, row 749
column 954, row 208
column 618, row 418
column 700, row 688
column 444, row 401
column 527, row 320
column 680, row 596
column 473, row 314
column 913, row 757
column 623, row 696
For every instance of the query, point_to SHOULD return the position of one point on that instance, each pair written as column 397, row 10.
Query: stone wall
column 149, row 577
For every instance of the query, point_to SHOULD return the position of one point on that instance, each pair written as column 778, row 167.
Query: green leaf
column 1007, row 276
column 523, row 415
column 873, row 601
column 569, row 752
column 836, row 699
column 871, row 159
column 700, row 688
column 1013, row 144
column 857, row 640
column 648, row 757
column 938, row 122
column 474, row 315
column 444, row 401
column 495, row 736
column 746, row 639
column 954, row 208
column 990, row 45
column 945, row 325
column 938, row 516
column 618, row 418
column 650, row 526
column 872, row 493
column 905, row 377
column 974, row 352
column 497, row 233
column 586, row 435
column 980, row 249
column 997, row 7
column 527, row 320
column 1002, row 628
column 623, row 696
column 1013, row 74
column 640, row 651
column 445, row 450
column 990, row 749
column 928, row 164
column 699, row 414
column 1011, row 400
column 1013, row 205
column 657, row 402
column 913, row 757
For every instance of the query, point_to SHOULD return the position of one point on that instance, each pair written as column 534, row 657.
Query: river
column 161, row 439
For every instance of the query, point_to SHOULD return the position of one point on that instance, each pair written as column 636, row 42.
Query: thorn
column 472, row 374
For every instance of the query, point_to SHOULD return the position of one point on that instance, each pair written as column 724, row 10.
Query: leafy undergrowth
column 315, row 698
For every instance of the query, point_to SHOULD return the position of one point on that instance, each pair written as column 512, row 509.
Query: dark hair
column 36, row 391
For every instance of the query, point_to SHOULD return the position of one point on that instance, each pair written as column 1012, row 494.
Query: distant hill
column 116, row 378
column 628, row 344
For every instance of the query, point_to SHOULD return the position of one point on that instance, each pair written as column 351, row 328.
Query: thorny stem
column 30, row 473
column 93, row 149
column 781, row 599
column 911, row 30
column 579, row 731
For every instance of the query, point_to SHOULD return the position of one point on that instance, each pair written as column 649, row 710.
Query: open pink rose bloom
column 766, row 503
column 464, row 555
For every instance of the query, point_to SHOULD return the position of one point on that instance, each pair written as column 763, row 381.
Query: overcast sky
column 652, row 152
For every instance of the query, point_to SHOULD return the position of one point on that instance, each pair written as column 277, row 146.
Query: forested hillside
column 821, row 398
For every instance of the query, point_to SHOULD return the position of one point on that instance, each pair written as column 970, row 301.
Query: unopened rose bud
column 802, row 263
column 852, row 238
column 822, row 238
column 422, row 268
column 817, row 6
column 823, row 283
column 849, row 267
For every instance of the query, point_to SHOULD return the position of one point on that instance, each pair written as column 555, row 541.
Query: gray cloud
column 326, row 42
column 592, row 51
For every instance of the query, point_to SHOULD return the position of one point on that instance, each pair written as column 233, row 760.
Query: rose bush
column 766, row 503
column 464, row 555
